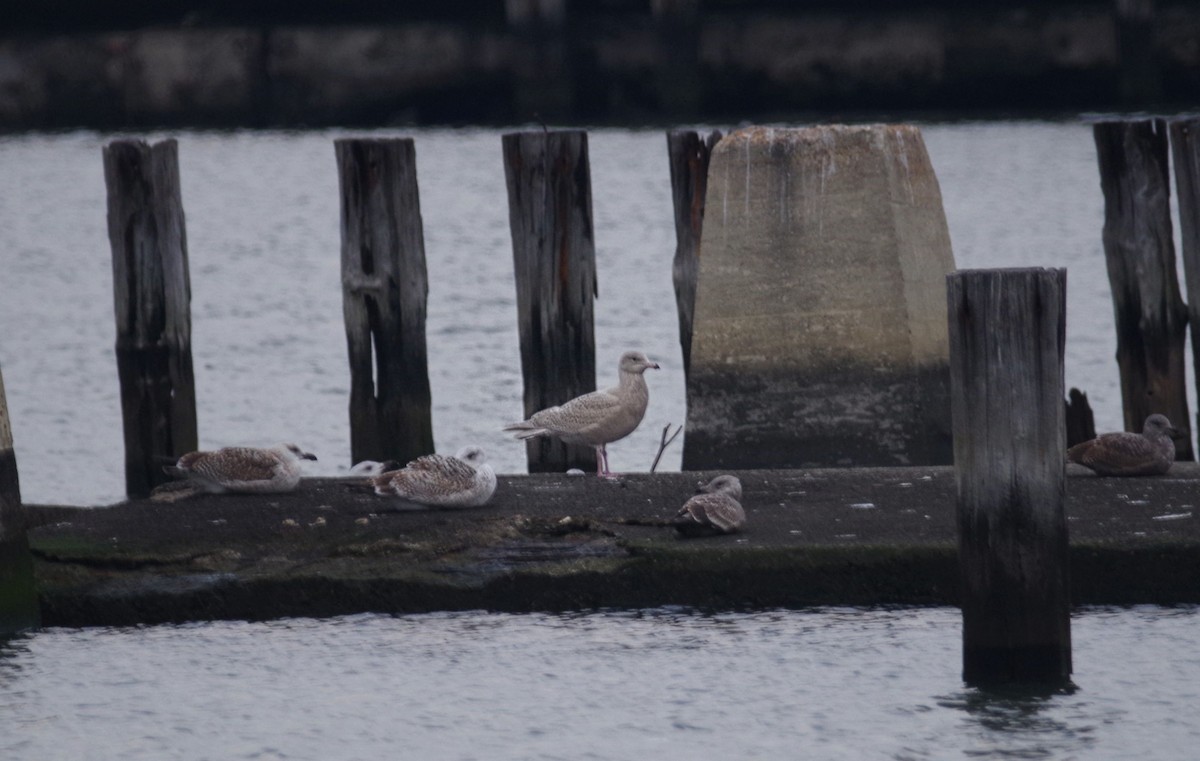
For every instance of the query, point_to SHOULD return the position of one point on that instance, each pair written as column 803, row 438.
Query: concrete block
column 820, row 335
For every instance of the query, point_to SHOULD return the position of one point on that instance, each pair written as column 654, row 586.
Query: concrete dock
column 863, row 536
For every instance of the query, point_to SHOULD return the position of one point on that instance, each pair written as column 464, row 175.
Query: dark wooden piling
column 18, row 598
column 688, row 153
column 152, row 296
column 1151, row 318
column 554, row 260
column 1185, row 150
column 1081, row 423
column 384, row 293
column 1006, row 369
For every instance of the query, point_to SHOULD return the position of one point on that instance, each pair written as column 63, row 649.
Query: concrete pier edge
column 850, row 537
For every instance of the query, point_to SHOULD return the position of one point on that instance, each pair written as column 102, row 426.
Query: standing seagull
column 1148, row 453
column 716, row 510
column 243, row 469
column 464, row 480
column 598, row 418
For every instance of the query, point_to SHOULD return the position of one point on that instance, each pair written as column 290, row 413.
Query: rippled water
column 661, row 684
column 268, row 341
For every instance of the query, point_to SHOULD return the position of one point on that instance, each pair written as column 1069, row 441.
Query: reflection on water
column 667, row 683
column 1021, row 722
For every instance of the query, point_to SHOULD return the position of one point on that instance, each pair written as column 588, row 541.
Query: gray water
column 268, row 339
column 662, row 684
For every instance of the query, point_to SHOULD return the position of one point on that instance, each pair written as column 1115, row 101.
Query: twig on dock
column 666, row 442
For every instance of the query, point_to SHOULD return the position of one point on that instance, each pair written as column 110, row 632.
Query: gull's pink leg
column 603, row 450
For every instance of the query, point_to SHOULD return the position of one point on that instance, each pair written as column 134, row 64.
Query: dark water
column 661, row 684
column 268, row 341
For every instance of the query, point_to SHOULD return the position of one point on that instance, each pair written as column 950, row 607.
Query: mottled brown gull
column 243, row 469
column 599, row 418
column 464, row 480
column 1148, row 453
column 715, row 510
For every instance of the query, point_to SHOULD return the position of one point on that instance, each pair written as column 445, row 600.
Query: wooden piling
column 18, row 599
column 1185, row 150
column 554, row 259
column 152, row 297
column 1081, row 423
column 688, row 153
column 1151, row 318
column 1007, row 331
column 384, row 294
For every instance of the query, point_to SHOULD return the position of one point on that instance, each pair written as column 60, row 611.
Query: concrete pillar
column 820, row 332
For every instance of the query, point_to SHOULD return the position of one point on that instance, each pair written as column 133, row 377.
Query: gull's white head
column 723, row 484
column 635, row 362
column 472, row 455
column 297, row 452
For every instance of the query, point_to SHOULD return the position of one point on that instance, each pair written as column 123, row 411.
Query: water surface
column 659, row 684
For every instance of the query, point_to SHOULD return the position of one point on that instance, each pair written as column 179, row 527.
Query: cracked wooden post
column 554, row 259
column 1185, row 150
column 1151, row 318
column 1007, row 331
column 384, row 293
column 152, row 298
column 688, row 153
column 18, row 599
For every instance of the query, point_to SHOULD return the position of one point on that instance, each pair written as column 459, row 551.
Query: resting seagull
column 243, row 469
column 715, row 510
column 1148, row 453
column 464, row 480
column 598, row 418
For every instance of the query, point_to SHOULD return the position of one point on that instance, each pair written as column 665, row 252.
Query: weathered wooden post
column 1081, row 423
column 554, row 259
column 1006, row 376
column 1151, row 318
column 1185, row 149
column 152, row 295
column 18, row 600
column 688, row 153
column 384, row 293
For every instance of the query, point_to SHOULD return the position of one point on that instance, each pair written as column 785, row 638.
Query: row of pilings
column 1005, row 347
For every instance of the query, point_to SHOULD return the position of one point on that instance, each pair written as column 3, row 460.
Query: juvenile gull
column 716, row 510
column 1148, row 453
column 243, row 469
column 598, row 418
column 464, row 480
column 372, row 467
